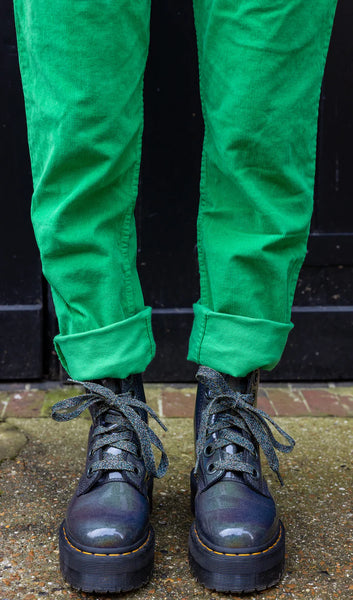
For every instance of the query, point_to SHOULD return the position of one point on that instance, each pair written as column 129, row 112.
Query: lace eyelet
column 211, row 468
column 89, row 472
column 255, row 474
column 209, row 450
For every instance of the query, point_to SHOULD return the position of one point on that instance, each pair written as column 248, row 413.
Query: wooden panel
column 21, row 310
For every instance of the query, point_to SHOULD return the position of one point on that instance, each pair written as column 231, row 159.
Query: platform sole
column 101, row 573
column 240, row 573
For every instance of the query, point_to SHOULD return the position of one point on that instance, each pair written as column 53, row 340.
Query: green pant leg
column 261, row 67
column 82, row 65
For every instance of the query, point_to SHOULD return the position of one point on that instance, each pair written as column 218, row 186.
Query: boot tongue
column 118, row 386
column 242, row 385
column 115, row 385
column 237, row 384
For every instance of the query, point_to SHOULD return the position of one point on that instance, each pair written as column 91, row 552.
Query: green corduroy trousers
column 261, row 66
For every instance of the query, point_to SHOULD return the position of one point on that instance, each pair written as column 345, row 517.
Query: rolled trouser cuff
column 117, row 350
column 235, row 344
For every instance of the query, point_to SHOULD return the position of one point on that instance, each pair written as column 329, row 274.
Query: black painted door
column 21, row 305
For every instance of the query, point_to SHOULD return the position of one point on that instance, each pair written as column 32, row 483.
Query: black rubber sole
column 103, row 573
column 240, row 573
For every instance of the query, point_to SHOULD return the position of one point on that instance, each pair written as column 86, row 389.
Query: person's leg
column 82, row 67
column 261, row 65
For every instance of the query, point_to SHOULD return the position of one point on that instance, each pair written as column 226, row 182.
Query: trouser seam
column 203, row 195
column 129, row 217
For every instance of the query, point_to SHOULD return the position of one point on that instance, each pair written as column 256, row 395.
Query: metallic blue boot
column 237, row 542
column 106, row 540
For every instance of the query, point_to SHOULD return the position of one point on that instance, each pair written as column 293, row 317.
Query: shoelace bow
column 229, row 410
column 117, row 428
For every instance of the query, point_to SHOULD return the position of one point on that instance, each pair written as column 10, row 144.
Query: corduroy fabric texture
column 261, row 65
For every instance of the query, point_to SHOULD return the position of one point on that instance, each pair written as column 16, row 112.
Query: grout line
column 5, row 403
column 160, row 405
column 273, row 406
column 299, row 394
column 310, row 412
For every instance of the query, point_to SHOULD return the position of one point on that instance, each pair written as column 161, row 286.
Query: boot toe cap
column 231, row 516
column 114, row 516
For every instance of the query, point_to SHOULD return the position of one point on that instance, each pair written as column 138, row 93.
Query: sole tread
column 96, row 573
column 232, row 573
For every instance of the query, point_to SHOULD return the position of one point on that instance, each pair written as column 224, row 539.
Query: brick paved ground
column 284, row 400
column 177, row 400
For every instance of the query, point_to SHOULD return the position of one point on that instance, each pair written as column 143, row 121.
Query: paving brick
column 265, row 404
column 322, row 402
column 347, row 403
column 25, row 403
column 287, row 403
column 178, row 402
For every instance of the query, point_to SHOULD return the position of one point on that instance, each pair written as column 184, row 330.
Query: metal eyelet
column 209, row 450
column 211, row 468
column 89, row 472
column 255, row 474
column 90, row 453
column 137, row 471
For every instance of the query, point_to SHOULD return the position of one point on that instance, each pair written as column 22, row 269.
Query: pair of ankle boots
column 236, row 541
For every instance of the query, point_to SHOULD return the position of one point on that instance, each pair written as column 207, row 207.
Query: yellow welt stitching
column 250, row 554
column 96, row 554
